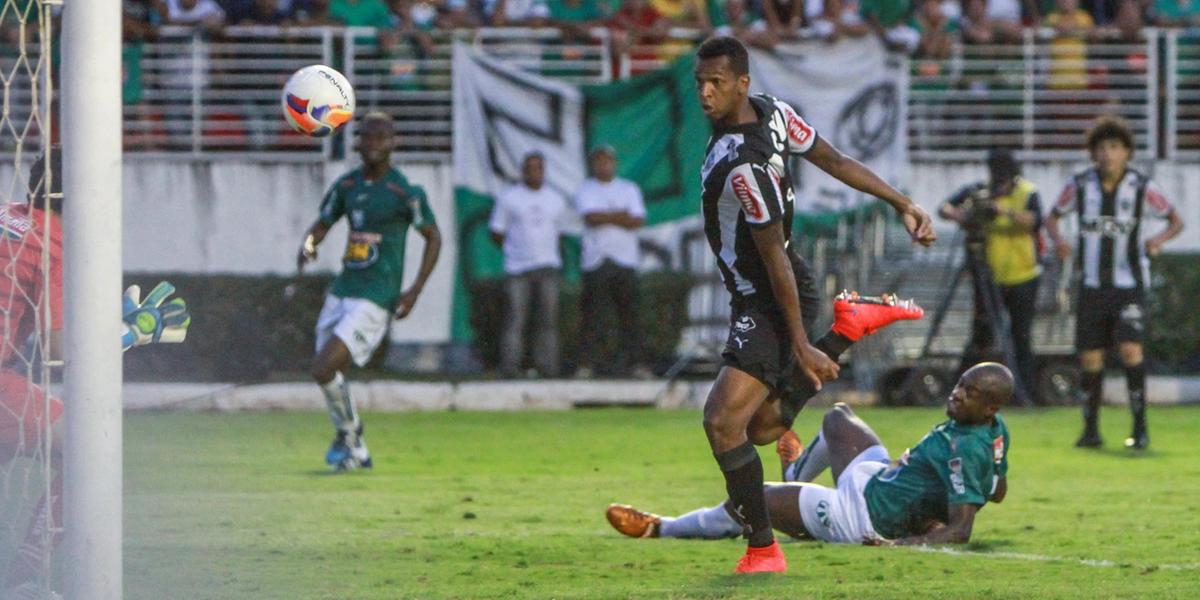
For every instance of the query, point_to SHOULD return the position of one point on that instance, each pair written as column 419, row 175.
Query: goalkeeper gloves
column 149, row 321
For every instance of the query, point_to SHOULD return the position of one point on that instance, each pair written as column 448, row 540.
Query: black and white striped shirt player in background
column 1113, row 204
column 770, row 367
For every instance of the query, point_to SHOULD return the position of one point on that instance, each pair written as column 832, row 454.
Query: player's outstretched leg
column 855, row 316
column 1092, row 382
column 1135, row 382
column 712, row 523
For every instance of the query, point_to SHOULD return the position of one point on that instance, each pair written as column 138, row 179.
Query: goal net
column 29, row 267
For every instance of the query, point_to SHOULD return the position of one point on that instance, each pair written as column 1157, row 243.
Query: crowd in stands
column 921, row 27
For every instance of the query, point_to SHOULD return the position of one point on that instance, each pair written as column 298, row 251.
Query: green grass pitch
column 479, row 505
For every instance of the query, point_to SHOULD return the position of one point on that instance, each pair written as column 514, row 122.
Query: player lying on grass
column 930, row 495
column 23, row 295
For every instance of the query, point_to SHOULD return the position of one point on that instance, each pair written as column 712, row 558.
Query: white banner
column 502, row 113
column 855, row 93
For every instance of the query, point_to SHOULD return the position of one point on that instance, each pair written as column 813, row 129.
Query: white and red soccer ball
column 317, row 100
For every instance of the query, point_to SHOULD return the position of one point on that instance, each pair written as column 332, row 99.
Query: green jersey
column 379, row 214
column 952, row 464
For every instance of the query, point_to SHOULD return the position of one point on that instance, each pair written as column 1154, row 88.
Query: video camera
column 980, row 205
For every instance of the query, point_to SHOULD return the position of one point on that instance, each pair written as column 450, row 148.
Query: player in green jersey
column 930, row 495
column 380, row 205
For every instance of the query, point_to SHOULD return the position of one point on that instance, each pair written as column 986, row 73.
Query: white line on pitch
column 1087, row 562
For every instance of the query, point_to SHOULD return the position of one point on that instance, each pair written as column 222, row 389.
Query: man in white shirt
column 612, row 212
column 526, row 223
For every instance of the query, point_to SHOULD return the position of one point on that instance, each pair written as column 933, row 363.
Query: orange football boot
column 762, row 560
column 633, row 522
column 856, row 316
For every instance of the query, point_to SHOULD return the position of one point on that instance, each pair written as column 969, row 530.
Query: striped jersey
column 1112, row 250
column 746, row 185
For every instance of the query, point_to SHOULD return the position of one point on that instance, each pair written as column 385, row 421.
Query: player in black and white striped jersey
column 1113, row 203
column 770, row 367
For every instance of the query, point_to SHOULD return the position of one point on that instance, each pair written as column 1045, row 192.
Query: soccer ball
column 317, row 100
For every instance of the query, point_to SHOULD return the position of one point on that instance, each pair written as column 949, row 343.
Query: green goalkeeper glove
column 149, row 321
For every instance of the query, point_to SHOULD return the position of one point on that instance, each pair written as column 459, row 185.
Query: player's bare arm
column 433, row 247
column 815, row 364
column 957, row 531
column 856, row 175
column 308, row 248
column 1174, row 227
column 1061, row 247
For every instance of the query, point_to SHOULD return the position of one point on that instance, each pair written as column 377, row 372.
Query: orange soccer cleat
column 632, row 522
column 856, row 316
column 762, row 560
column 789, row 447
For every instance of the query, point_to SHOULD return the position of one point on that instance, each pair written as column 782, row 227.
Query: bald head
column 993, row 380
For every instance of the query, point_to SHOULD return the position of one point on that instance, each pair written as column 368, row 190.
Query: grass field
column 477, row 505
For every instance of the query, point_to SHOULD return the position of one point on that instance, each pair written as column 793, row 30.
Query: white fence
column 189, row 96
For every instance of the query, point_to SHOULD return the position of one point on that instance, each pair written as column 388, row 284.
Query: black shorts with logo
column 759, row 342
column 1108, row 316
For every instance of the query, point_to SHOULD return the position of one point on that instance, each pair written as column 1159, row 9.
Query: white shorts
column 840, row 515
column 358, row 322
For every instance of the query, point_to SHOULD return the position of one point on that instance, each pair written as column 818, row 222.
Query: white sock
column 340, row 404
column 812, row 462
column 712, row 523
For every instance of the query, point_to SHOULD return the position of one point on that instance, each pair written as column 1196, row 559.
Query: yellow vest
column 1011, row 251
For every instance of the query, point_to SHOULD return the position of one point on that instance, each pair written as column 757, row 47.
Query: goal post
column 90, row 99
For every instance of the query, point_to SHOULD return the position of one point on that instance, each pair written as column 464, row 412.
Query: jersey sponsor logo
column 13, row 226
column 956, row 476
column 741, row 189
column 998, row 449
column 1107, row 226
column 362, row 249
column 798, row 130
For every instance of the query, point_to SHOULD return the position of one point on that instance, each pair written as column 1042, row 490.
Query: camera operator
column 1001, row 217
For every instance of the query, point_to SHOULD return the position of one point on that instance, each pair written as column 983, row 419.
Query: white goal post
column 90, row 97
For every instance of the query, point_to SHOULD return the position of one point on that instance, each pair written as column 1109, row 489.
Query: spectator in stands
column 257, row 12
column 411, row 24
column 937, row 32
column 311, row 13
column 889, row 19
column 1068, row 50
column 527, row 222
column 205, row 14
column 981, row 25
column 637, row 24
column 612, row 212
column 139, row 21
column 518, row 13
column 751, row 30
column 456, row 14
column 1127, row 26
column 692, row 14
column 575, row 18
column 783, row 17
column 847, row 19
column 360, row 13
column 1175, row 13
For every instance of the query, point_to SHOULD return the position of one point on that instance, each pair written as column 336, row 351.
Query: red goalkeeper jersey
column 23, row 277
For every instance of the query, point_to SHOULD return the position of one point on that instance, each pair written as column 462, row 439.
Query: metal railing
column 1038, row 96
column 194, row 97
column 200, row 97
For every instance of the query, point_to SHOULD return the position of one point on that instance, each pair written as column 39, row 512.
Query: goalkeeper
column 379, row 205
column 27, row 230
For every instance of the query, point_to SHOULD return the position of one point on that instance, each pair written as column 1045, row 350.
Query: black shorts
column 760, row 344
column 1109, row 316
